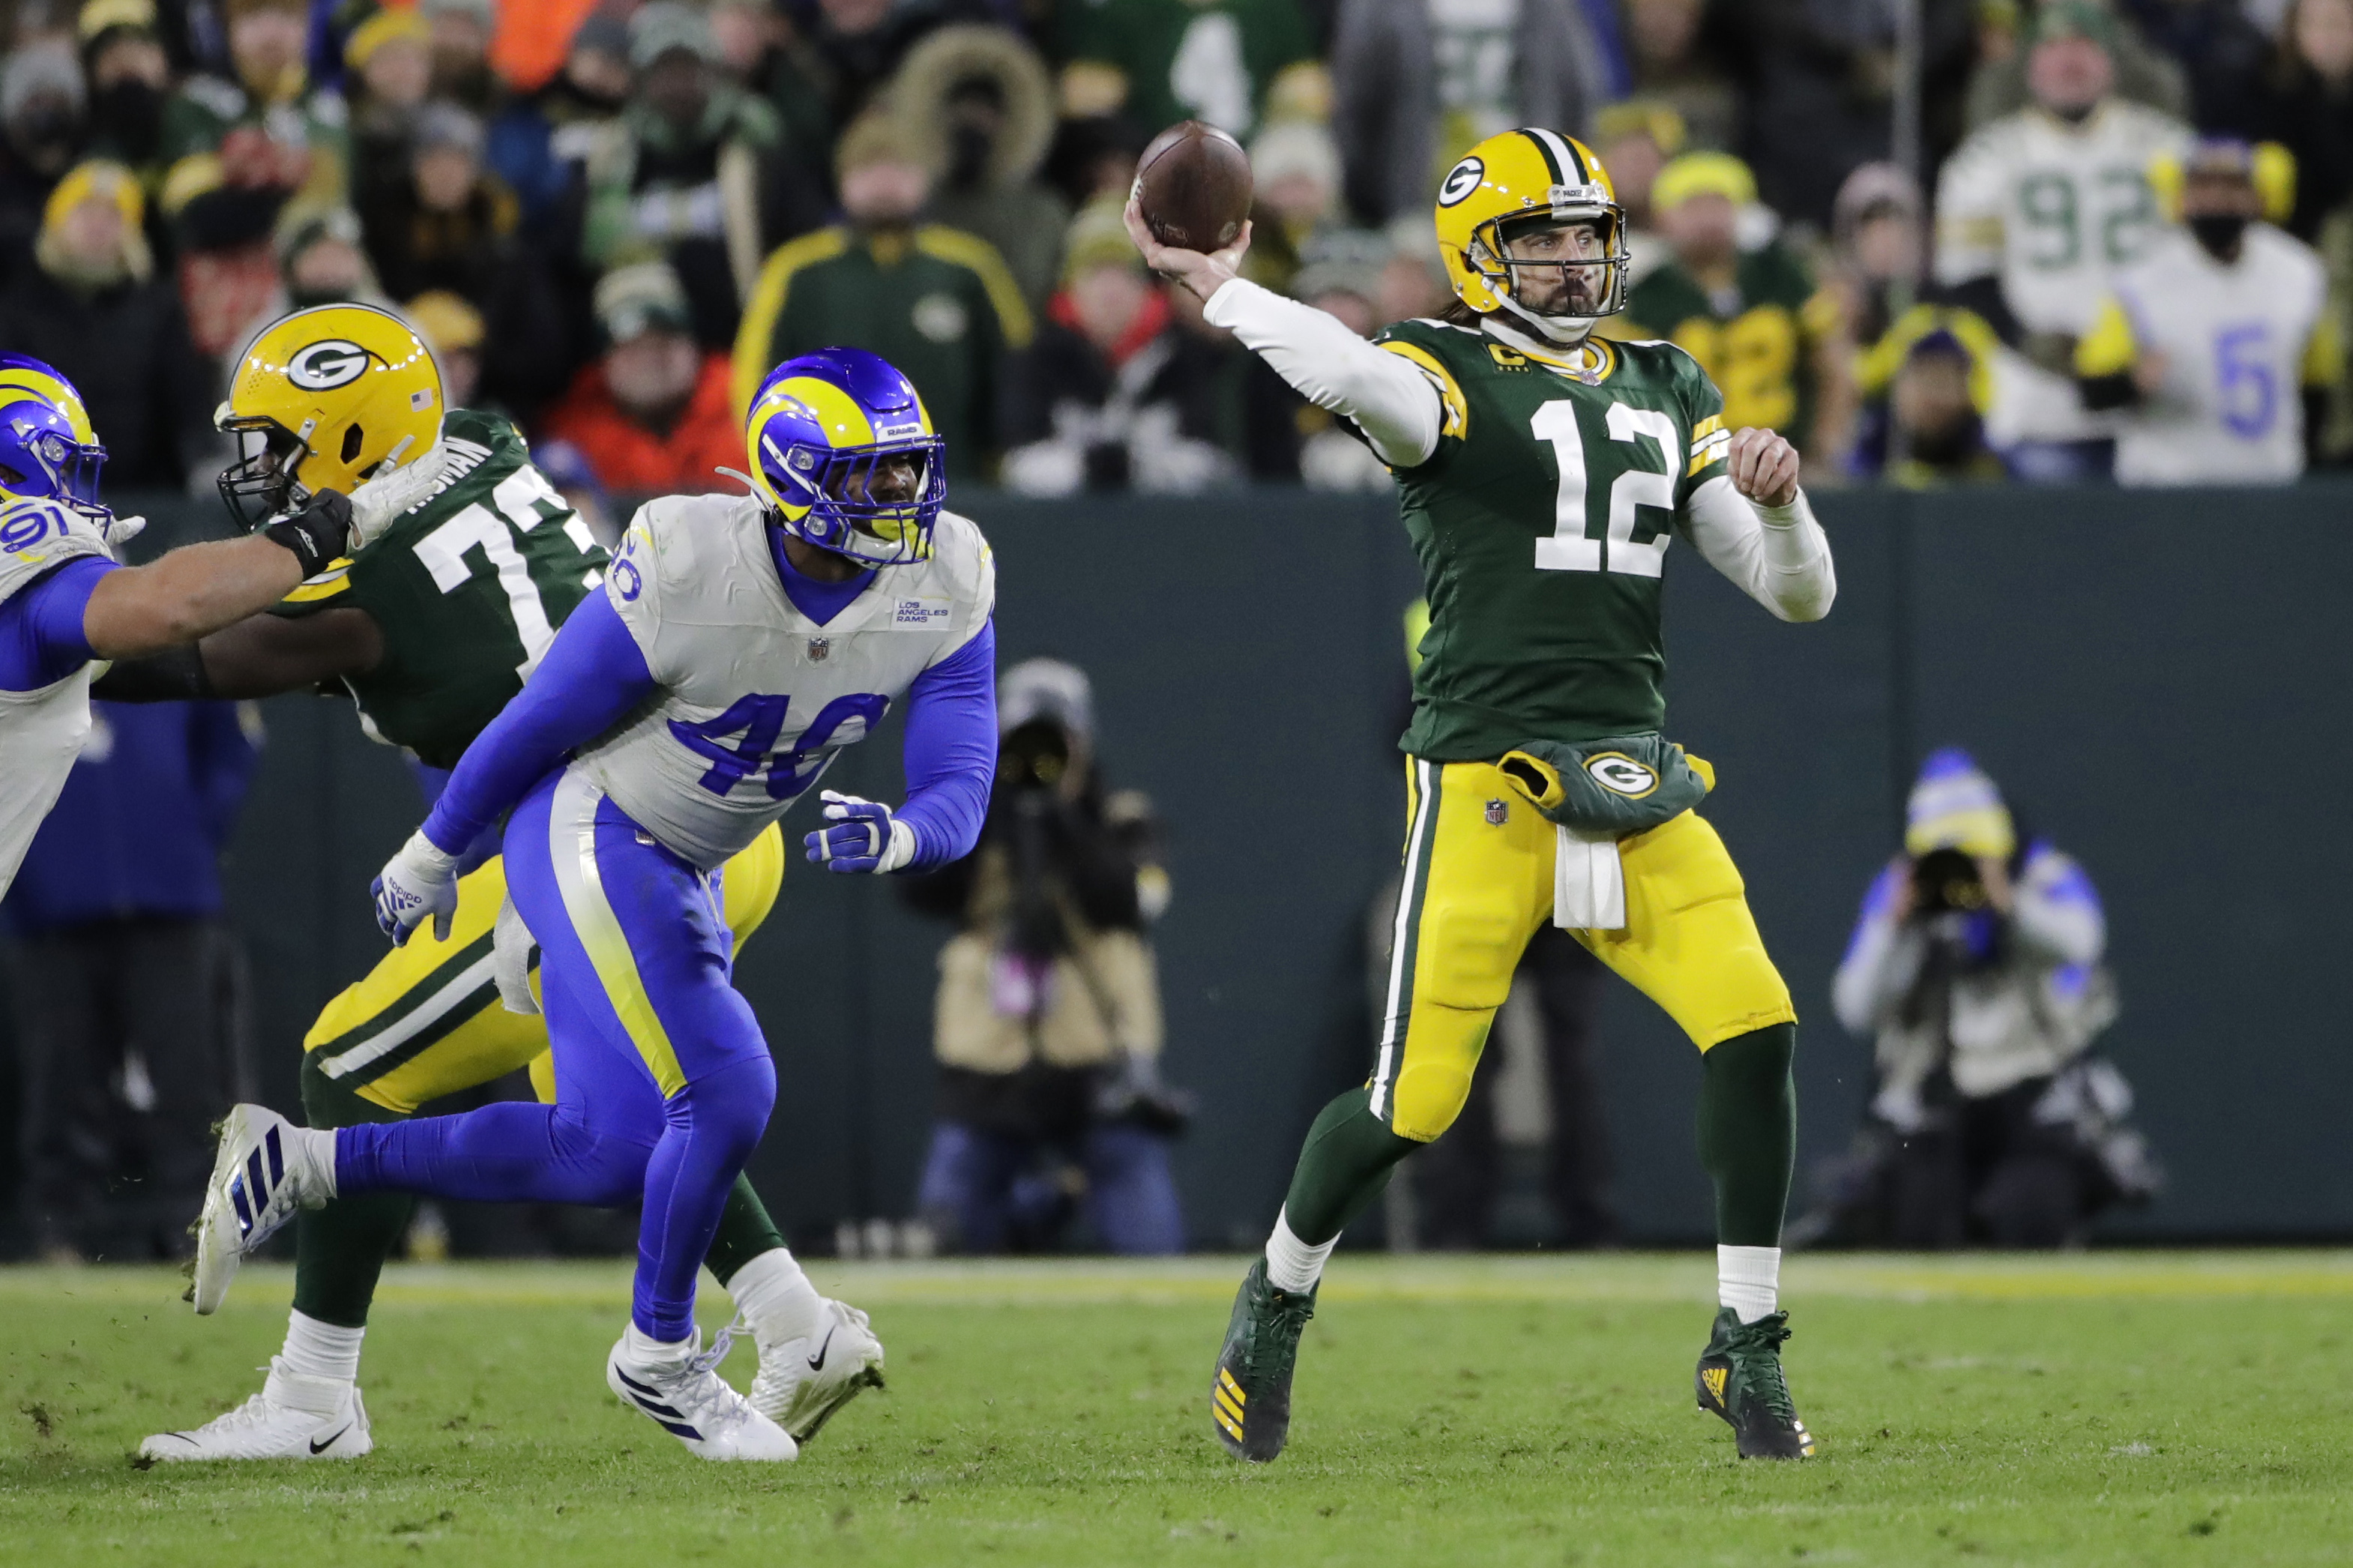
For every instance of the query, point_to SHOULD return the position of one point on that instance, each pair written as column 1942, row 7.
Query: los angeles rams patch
column 921, row 615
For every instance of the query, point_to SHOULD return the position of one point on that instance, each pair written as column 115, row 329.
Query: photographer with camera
column 1047, row 1023
column 1977, row 966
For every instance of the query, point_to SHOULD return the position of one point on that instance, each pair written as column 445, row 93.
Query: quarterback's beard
column 1566, row 330
column 1563, row 328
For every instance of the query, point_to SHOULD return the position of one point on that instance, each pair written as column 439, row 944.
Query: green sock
column 1748, row 1133
column 339, row 1250
column 1342, row 1166
column 746, row 1231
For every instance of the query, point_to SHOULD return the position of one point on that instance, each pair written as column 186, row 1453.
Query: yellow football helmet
column 1521, row 177
column 325, row 399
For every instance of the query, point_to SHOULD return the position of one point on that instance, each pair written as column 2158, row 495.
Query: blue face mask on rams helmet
column 56, row 458
column 846, row 457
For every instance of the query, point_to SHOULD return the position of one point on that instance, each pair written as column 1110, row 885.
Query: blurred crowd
column 608, row 219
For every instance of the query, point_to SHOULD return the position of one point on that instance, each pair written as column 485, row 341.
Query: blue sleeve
column 593, row 675
column 951, row 750
column 41, row 636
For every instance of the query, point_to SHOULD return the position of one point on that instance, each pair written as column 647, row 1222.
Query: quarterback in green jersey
column 1544, row 473
column 473, row 560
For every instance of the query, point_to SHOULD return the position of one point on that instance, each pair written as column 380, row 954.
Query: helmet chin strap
column 1566, row 330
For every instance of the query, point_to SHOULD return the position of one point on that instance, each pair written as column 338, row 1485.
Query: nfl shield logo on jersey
column 821, row 649
column 1498, row 813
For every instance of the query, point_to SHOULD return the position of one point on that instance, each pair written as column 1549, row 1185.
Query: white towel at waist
column 1588, row 883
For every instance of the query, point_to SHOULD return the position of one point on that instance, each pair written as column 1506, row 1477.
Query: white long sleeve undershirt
column 1778, row 556
column 1394, row 402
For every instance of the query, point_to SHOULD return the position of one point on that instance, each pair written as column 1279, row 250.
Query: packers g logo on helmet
column 323, row 367
column 1461, row 181
column 1529, row 176
column 326, row 399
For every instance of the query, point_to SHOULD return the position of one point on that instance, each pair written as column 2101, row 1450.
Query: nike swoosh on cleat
column 817, row 1362
column 317, row 1447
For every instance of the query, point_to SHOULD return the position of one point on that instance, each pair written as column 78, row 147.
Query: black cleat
column 1740, row 1379
column 1250, row 1399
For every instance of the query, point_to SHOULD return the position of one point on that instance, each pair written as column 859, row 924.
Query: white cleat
column 267, row 1169
column 293, row 1417
column 694, row 1405
column 803, row 1382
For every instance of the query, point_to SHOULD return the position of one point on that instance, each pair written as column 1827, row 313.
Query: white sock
column 317, row 1144
column 1748, row 1280
column 314, row 1349
column 642, row 1349
column 772, row 1291
column 1291, row 1263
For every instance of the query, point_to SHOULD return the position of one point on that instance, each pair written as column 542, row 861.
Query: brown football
column 1193, row 184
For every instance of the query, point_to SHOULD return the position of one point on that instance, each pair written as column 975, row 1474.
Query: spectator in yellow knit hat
column 94, row 308
column 1752, row 316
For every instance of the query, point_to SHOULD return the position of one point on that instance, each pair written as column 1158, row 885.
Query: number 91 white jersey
column 756, row 699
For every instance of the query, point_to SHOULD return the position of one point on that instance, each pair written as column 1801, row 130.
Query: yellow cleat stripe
column 1227, row 1407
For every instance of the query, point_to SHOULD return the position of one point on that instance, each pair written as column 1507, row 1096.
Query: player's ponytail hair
column 1457, row 315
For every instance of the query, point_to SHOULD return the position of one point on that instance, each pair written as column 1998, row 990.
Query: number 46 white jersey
column 756, row 699
column 2237, row 342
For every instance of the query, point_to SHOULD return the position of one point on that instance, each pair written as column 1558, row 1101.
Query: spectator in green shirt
column 1156, row 62
column 1751, row 315
column 937, row 302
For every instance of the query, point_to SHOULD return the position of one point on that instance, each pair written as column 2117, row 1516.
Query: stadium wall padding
column 2160, row 681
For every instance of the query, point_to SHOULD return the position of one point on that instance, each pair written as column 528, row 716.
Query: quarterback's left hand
column 861, row 835
column 1763, row 468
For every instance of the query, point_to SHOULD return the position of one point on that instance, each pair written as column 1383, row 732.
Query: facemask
column 130, row 112
column 2219, row 233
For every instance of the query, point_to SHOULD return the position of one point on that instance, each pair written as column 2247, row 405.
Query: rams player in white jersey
column 738, row 644
column 66, row 605
column 2035, row 212
column 2213, row 343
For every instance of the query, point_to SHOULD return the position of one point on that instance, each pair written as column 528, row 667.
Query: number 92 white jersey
column 2052, row 210
column 756, row 699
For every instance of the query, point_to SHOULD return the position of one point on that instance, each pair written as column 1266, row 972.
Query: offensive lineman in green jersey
column 432, row 629
column 1544, row 473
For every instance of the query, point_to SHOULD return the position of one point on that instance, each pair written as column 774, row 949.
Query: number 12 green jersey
column 467, row 589
column 1542, row 522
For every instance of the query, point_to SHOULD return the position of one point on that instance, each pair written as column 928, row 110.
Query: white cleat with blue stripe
column 693, row 1404
column 267, row 1169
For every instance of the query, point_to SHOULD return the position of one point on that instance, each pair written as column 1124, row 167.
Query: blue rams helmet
column 54, row 459
column 828, row 431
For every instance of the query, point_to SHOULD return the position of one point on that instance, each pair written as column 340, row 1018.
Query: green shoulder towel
column 1613, row 787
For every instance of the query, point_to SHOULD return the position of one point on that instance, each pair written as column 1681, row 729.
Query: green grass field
column 2112, row 1408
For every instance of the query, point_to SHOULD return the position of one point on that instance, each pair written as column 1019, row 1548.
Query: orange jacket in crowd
column 629, row 458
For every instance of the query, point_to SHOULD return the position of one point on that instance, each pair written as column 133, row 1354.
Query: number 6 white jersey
column 2236, row 342
column 756, row 699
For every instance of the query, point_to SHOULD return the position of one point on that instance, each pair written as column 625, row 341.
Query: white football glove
column 861, row 836
column 376, row 504
column 421, row 880
column 119, row 531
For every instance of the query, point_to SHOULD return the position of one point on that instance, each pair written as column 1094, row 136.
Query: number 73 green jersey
column 1542, row 522
column 467, row 588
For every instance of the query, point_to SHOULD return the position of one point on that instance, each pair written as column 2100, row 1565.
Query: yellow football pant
column 426, row 1021
column 1478, row 885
